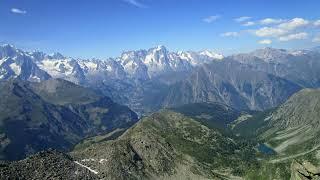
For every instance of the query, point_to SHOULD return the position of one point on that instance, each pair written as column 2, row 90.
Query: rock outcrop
column 304, row 171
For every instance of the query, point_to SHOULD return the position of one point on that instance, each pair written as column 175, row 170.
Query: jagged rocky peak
column 17, row 63
column 56, row 55
column 7, row 50
column 37, row 55
column 159, row 60
column 159, row 48
column 133, row 54
column 159, row 53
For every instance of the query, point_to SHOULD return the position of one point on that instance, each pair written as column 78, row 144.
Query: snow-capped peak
column 160, row 47
column 140, row 64
column 298, row 52
column 211, row 54
column 7, row 45
column 8, row 50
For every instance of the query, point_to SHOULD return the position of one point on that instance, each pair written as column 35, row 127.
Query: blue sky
column 105, row 28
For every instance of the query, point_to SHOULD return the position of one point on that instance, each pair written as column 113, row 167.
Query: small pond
column 265, row 149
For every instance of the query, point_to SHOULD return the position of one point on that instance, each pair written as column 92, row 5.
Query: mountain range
column 140, row 65
column 132, row 73
column 148, row 80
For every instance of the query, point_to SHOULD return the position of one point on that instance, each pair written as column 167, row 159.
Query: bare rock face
column 304, row 171
column 311, row 168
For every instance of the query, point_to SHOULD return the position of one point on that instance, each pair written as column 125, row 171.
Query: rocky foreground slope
column 49, row 164
column 304, row 170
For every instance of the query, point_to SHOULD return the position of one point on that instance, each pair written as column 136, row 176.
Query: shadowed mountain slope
column 53, row 113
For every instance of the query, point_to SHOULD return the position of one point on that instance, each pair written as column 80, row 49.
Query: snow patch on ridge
column 211, row 55
column 15, row 68
column 91, row 170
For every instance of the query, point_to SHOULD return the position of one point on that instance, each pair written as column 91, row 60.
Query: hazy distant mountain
column 317, row 48
column 299, row 66
column 53, row 114
column 267, row 55
column 231, row 83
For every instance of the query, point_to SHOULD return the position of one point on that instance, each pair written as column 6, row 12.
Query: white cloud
column 211, row 19
column 285, row 31
column 230, row 34
column 249, row 23
column 294, row 24
column 243, row 18
column 317, row 23
column 18, row 11
column 270, row 32
column 268, row 21
column 265, row 41
column 135, row 3
column 279, row 29
column 296, row 36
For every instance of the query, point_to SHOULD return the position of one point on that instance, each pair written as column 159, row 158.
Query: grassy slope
column 213, row 115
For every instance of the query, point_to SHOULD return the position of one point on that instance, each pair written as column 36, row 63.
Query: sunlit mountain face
column 145, row 89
